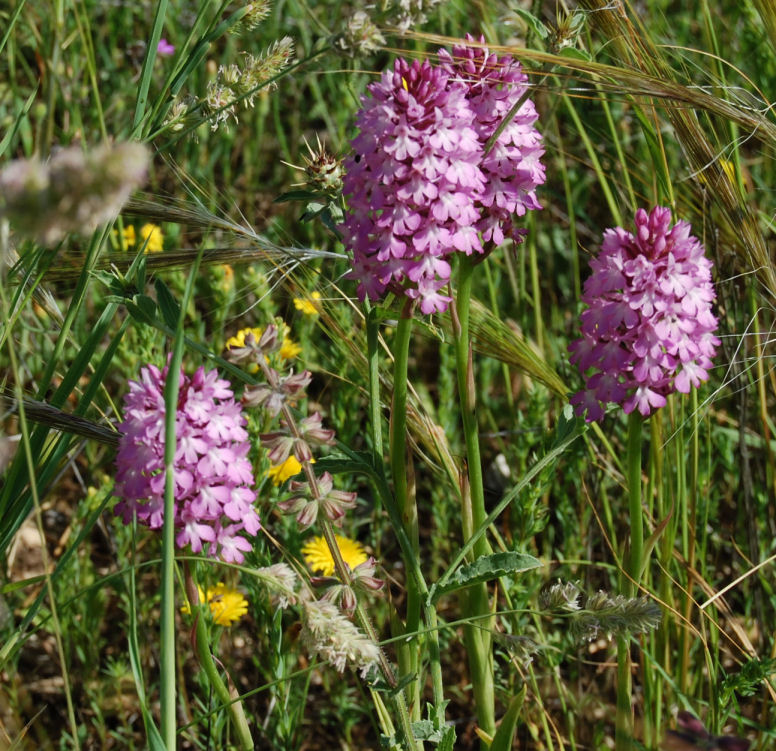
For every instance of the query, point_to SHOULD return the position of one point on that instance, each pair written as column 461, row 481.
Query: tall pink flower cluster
column 648, row 329
column 418, row 186
column 213, row 477
column 512, row 168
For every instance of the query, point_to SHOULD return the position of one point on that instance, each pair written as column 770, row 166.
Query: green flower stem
column 411, row 559
column 476, row 602
column 375, row 405
column 235, row 706
column 410, row 651
column 635, row 422
column 171, row 390
column 633, row 568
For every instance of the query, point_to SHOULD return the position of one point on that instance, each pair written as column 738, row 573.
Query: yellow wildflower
column 308, row 306
column 226, row 605
column 279, row 473
column 152, row 238
column 127, row 237
column 318, row 556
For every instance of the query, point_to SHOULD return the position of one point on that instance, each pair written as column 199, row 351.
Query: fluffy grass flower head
column 213, row 476
column 648, row 329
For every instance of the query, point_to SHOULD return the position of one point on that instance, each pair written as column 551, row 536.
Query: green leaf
column 298, row 195
column 142, row 308
column 11, row 132
column 355, row 462
column 502, row 740
column 532, row 22
column 575, row 54
column 168, row 306
column 424, row 730
column 484, row 569
column 448, row 739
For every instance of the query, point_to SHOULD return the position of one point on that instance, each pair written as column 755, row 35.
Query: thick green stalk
column 409, row 652
column 476, row 603
column 410, row 553
column 635, row 423
column 624, row 719
column 219, row 688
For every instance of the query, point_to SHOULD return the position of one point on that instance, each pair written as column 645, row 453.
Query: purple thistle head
column 213, row 476
column 648, row 329
column 418, row 188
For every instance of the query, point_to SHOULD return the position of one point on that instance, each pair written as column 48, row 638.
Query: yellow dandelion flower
column 318, row 557
column 308, row 306
column 288, row 350
column 279, row 473
column 226, row 605
column 152, row 238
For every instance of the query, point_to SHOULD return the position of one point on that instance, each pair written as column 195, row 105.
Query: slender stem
column 475, row 600
column 624, row 719
column 171, row 391
column 375, row 407
column 635, row 422
column 414, row 576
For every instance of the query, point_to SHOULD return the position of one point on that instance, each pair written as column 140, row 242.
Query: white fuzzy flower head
column 332, row 637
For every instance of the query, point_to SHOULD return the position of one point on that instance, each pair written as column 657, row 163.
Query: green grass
column 641, row 107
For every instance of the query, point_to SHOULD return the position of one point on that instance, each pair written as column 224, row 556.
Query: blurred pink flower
column 164, row 48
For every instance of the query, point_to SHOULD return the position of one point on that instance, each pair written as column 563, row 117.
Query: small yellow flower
column 318, row 557
column 151, row 238
column 128, row 237
column 279, row 473
column 226, row 282
column 288, row 350
column 227, row 605
column 308, row 306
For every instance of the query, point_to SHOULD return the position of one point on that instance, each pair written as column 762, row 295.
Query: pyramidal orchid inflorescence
column 213, row 476
column 648, row 329
column 419, row 185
